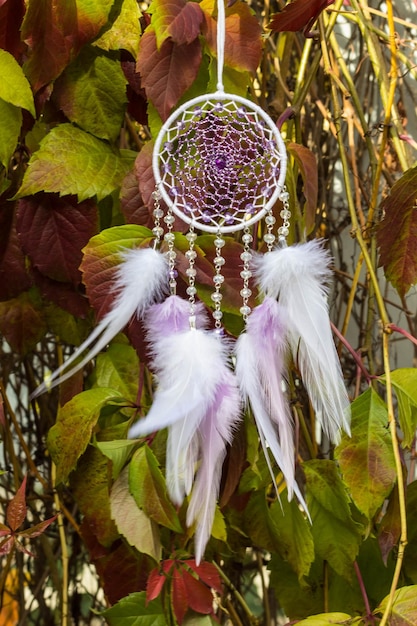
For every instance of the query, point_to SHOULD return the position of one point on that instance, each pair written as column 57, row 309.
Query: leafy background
column 84, row 88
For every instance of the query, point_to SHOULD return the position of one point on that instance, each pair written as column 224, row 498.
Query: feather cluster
column 298, row 277
column 197, row 398
column 260, row 366
column 141, row 280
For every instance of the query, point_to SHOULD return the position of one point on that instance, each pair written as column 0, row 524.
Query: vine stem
column 358, row 573
column 238, row 596
column 64, row 550
column 400, row 480
column 384, row 318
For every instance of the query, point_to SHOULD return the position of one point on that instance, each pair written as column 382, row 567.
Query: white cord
column 221, row 36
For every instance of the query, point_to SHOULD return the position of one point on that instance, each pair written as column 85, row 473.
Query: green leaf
column 102, row 255
column 14, row 86
column 324, row 619
column 219, row 530
column 89, row 485
column 125, row 31
column 71, row 434
column 70, row 161
column 10, row 123
column 135, row 611
column 118, row 451
column 147, row 485
column 404, row 609
column 92, row 93
column 366, row 458
column 133, row 523
column 404, row 381
column 118, row 368
column 336, row 535
column 297, row 598
column 281, row 528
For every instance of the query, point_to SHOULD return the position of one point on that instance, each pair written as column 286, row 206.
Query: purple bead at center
column 220, row 162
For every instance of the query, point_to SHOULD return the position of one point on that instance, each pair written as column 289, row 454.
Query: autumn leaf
column 167, row 73
column 298, row 15
column 10, row 536
column 397, row 233
column 53, row 231
column 243, row 44
column 176, row 19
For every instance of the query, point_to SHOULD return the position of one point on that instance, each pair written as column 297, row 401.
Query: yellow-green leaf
column 71, row 434
column 71, row 161
column 366, row 458
column 133, row 523
column 404, row 609
column 147, row 486
column 336, row 535
column 14, row 86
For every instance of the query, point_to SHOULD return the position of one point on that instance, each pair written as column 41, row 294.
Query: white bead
column 246, row 257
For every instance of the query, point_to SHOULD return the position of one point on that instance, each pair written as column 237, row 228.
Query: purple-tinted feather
column 197, row 398
column 259, row 369
column 140, row 280
column 299, row 276
column 215, row 431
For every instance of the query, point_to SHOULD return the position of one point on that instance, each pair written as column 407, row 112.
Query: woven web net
column 219, row 165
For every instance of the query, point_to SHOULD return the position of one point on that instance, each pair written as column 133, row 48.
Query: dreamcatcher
column 219, row 164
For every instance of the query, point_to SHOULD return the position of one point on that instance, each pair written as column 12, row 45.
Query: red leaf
column 22, row 548
column 64, row 295
column 17, row 509
column 22, row 322
column 135, row 93
column 50, row 30
column 167, row 73
column 38, row 529
column 389, row 530
column 298, row 15
column 157, row 580
column 11, row 15
column 144, row 173
column 307, row 165
column 200, row 598
column 6, row 546
column 4, row 530
column 179, row 596
column 397, row 233
column 14, row 277
column 185, row 27
column 243, row 44
column 132, row 206
column 53, row 231
column 121, row 571
column 177, row 19
column 208, row 573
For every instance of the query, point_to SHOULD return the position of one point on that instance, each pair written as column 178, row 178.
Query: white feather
column 298, row 276
column 215, row 431
column 141, row 279
column 190, row 364
column 248, row 373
